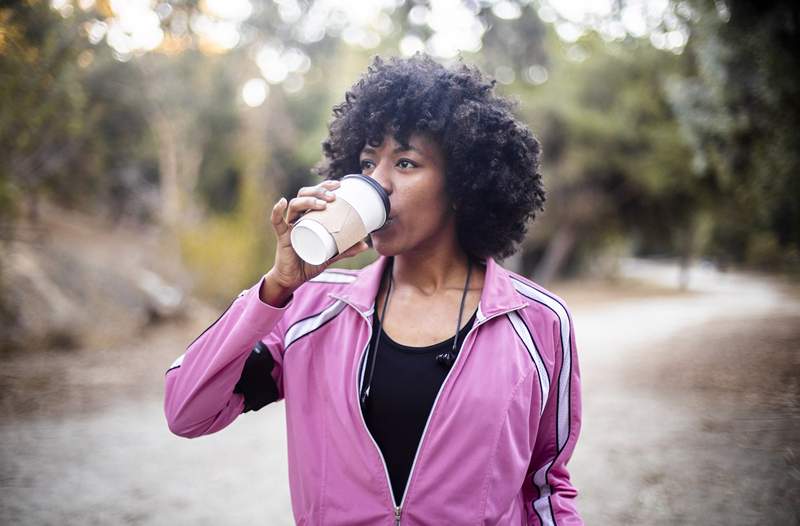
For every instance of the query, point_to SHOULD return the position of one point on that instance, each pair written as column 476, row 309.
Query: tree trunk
column 170, row 187
column 687, row 243
column 556, row 254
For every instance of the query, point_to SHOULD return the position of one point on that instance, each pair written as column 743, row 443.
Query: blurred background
column 144, row 143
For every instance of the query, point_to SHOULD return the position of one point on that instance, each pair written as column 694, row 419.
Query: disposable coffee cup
column 361, row 206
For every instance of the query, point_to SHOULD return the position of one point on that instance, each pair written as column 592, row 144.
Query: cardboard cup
column 361, row 206
column 368, row 198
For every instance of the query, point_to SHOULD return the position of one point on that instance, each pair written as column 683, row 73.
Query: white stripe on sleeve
column 312, row 323
column 527, row 338
column 333, row 277
column 566, row 346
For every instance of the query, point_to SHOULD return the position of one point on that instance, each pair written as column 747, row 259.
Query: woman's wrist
column 273, row 293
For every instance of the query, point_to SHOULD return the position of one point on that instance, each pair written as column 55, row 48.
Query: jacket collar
column 498, row 294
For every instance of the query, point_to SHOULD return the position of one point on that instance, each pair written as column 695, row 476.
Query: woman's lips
column 386, row 225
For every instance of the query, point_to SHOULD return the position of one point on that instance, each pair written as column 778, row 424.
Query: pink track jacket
column 496, row 444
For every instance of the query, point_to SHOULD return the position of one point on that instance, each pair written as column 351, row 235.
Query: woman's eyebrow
column 399, row 149
column 410, row 148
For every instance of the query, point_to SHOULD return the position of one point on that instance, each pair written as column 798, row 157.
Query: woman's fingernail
column 319, row 202
column 328, row 193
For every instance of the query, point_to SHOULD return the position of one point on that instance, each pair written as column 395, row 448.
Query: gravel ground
column 701, row 429
column 691, row 416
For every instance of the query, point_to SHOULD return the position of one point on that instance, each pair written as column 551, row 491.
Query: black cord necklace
column 445, row 359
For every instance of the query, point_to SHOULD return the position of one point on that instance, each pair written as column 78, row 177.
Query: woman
column 433, row 386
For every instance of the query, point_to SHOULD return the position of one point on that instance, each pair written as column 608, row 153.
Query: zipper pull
column 397, row 511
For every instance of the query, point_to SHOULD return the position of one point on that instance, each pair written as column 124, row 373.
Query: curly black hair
column 491, row 158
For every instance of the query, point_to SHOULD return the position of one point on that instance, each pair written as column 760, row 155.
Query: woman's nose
column 381, row 173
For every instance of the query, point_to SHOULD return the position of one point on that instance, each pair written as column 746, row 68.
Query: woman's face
column 414, row 178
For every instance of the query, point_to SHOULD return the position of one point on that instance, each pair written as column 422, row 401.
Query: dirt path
column 691, row 416
column 701, row 429
column 691, row 405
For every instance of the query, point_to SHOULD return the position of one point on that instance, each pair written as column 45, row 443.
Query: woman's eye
column 367, row 164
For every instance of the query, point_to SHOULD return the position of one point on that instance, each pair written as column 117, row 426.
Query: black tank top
column 404, row 386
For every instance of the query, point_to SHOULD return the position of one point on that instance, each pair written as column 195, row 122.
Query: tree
column 614, row 161
column 43, row 118
column 739, row 110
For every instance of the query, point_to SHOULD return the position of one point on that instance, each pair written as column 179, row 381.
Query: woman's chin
column 382, row 247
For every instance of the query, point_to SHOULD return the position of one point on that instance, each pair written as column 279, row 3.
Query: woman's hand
column 289, row 271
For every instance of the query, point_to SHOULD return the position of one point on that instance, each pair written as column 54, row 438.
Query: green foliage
column 739, row 110
column 229, row 252
column 43, row 129
column 613, row 158
column 214, row 107
column 651, row 151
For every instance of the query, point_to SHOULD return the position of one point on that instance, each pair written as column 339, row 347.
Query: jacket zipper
column 436, row 400
column 398, row 510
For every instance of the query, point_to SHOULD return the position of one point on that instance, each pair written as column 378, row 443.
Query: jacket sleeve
column 548, row 491
column 235, row 365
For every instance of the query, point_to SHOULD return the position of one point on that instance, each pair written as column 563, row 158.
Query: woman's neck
column 431, row 272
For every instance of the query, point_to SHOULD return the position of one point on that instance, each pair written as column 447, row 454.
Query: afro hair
column 491, row 158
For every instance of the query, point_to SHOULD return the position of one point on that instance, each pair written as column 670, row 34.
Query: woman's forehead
column 419, row 142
